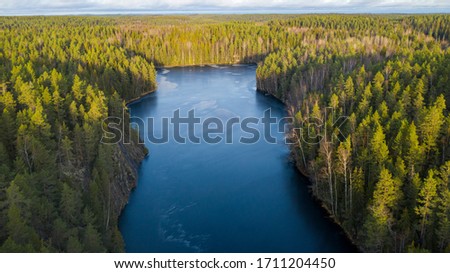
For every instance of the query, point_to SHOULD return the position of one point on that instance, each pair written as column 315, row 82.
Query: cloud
column 92, row 6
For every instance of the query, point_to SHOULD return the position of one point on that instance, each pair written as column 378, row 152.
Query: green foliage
column 59, row 78
column 381, row 217
column 389, row 75
column 387, row 183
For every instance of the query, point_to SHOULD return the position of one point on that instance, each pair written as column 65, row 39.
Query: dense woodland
column 385, row 176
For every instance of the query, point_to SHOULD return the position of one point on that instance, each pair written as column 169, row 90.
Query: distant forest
column 384, row 175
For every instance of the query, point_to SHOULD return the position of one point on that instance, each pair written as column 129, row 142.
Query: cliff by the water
column 126, row 158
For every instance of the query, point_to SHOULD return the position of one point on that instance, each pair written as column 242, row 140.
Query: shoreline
column 141, row 96
column 203, row 65
column 296, row 160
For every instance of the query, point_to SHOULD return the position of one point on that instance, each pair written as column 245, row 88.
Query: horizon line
column 40, row 12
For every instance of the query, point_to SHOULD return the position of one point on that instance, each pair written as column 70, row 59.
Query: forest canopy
column 387, row 181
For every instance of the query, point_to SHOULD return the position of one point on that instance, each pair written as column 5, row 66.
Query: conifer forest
column 383, row 175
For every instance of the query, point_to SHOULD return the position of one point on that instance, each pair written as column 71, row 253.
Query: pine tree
column 70, row 205
column 426, row 203
column 432, row 120
column 92, row 240
column 381, row 213
column 379, row 147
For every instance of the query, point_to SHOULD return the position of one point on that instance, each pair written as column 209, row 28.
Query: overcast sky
column 22, row 7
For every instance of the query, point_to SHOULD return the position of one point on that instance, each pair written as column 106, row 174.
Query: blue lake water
column 221, row 197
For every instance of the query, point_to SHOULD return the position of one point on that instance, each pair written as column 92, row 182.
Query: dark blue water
column 221, row 197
